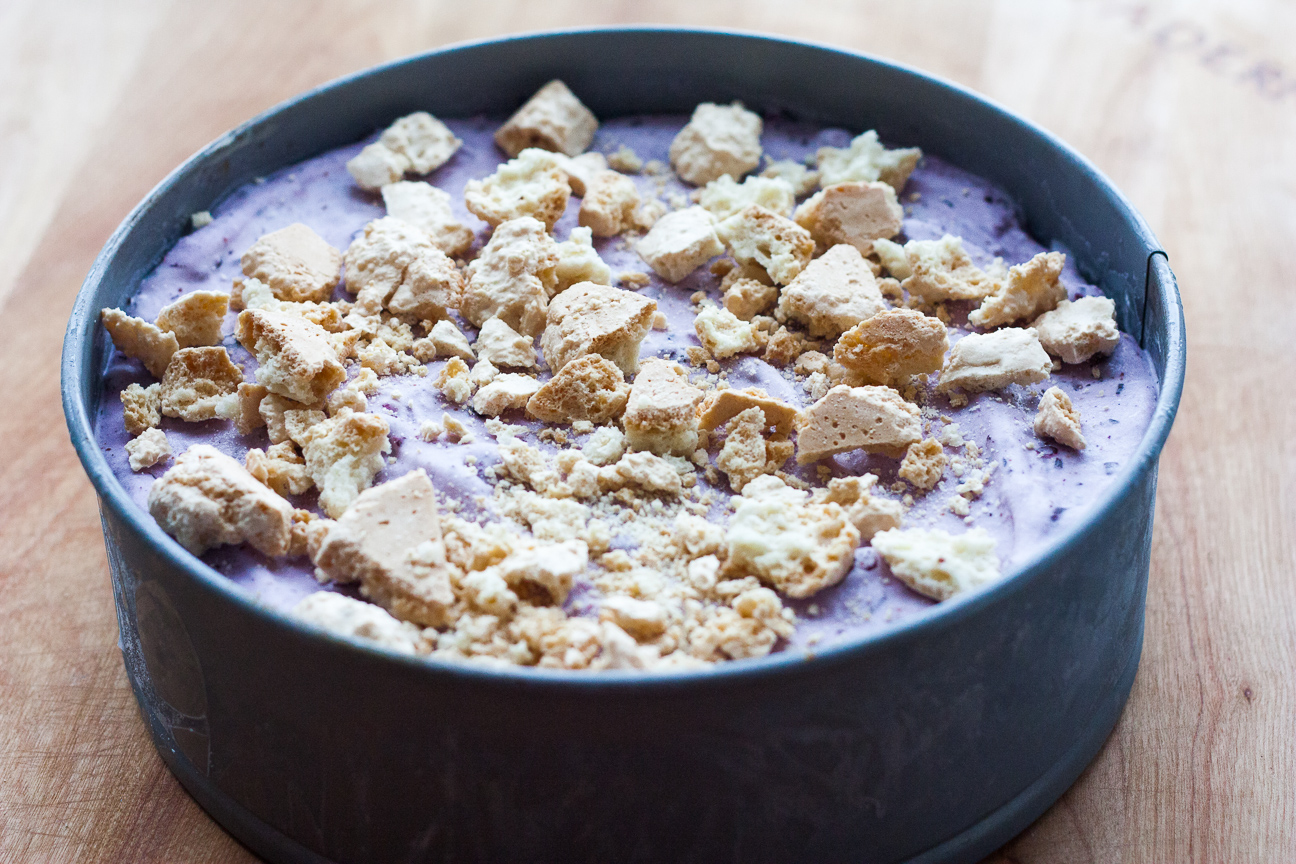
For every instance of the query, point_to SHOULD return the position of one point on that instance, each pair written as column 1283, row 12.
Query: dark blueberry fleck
column 1110, row 467
column 1113, row 421
column 1119, row 388
column 948, row 203
column 1057, row 512
column 1057, row 463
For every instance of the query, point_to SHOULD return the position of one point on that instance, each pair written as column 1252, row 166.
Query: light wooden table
column 1190, row 107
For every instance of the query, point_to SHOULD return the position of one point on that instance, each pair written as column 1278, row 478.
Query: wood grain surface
column 1190, row 107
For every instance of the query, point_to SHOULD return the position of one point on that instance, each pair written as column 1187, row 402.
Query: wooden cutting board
column 1190, row 107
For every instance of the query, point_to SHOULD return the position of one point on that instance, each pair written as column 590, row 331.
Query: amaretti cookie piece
column 854, row 213
column 781, row 537
column 195, row 318
column 866, row 160
column 281, row 468
column 661, row 414
column 876, row 419
column 869, row 513
column 148, row 449
column 1058, row 419
column 597, row 319
column 207, row 500
column 295, row 356
column 609, row 204
column 718, row 139
column 723, row 334
column 723, row 405
column 532, row 184
column 725, row 196
column 680, row 242
column 297, row 264
column 347, row 616
column 508, row 391
column 428, row 208
column 803, row 180
column 553, row 119
column 888, row 347
column 1077, row 331
column 251, row 293
column 758, row 236
column 416, row 143
column 141, row 407
column 588, row 388
column 923, row 464
column 449, row 341
column 581, row 169
column 579, row 261
column 504, row 346
column 343, row 454
column 512, row 277
column 833, row 294
column 1029, row 290
column 140, row 340
column 991, row 361
column 389, row 540
column 396, row 266
column 200, row 384
column 938, row 564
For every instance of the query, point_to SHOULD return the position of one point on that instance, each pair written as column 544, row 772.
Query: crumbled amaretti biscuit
column 396, row 265
column 833, row 294
column 454, row 381
column 347, row 616
column 503, row 346
column 803, row 180
column 255, row 294
column 938, row 564
column 553, row 119
column 428, row 208
column 343, row 454
column 578, row 261
column 644, row 471
column 389, row 540
column 888, row 347
column 991, row 361
column 723, row 334
column 448, row 341
column 140, row 340
column 274, row 410
column 1029, row 290
column 148, row 449
column 936, row 270
column 200, row 384
column 295, row 356
column 281, row 468
column 588, row 388
column 718, row 139
column 680, row 242
column 141, row 407
column 249, row 416
column 876, row 419
column 780, row 536
column 505, row 392
column 759, row 236
column 866, row 160
column 1077, row 331
column 605, row 446
column 1058, row 419
column 207, row 499
column 195, row 318
column 513, row 277
column 297, row 264
column 747, row 298
column 661, row 413
column 581, row 169
column 625, row 160
column 609, row 204
column 869, row 513
column 597, row 319
column 724, row 196
column 532, row 184
column 417, row 143
column 744, row 456
column 723, row 405
column 923, row 464
column 854, row 213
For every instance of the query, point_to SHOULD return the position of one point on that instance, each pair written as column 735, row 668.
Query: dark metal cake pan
column 936, row 740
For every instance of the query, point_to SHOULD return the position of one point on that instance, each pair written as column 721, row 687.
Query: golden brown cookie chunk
column 588, row 388
column 743, row 457
column 297, row 264
column 609, row 204
column 923, row 464
column 833, row 294
column 866, row 160
column 762, row 237
column 506, row 392
column 661, row 414
column 553, row 119
column 141, row 407
column 281, row 468
column 853, row 213
column 207, row 499
column 417, row 143
column 723, row 334
column 1058, row 419
column 990, row 361
column 148, row 449
column 578, row 261
column 938, row 564
column 195, row 318
column 1030, row 290
column 389, row 541
column 680, row 242
column 200, row 384
column 723, row 405
column 936, row 270
column 449, row 341
column 597, row 319
column 394, row 265
column 532, row 184
column 346, row 616
column 892, row 345
column 875, row 419
column 428, row 208
column 869, row 513
column 295, row 356
column 512, row 278
column 747, row 298
column 140, row 340
column 1078, row 331
column 718, row 139
column 581, row 169
column 724, row 196
column 503, row 346
column 343, row 454
column 803, row 180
